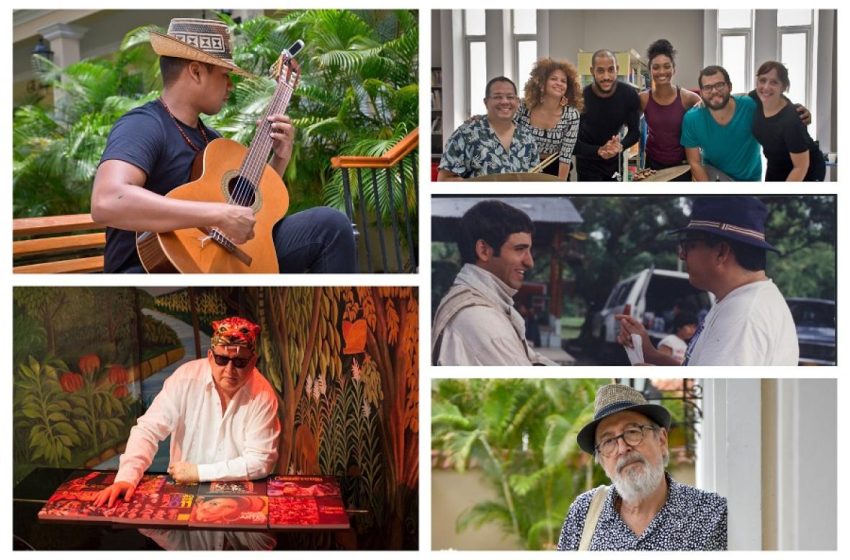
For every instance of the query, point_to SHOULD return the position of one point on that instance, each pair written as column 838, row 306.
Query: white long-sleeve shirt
column 240, row 444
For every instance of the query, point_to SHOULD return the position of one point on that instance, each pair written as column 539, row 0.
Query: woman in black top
column 791, row 153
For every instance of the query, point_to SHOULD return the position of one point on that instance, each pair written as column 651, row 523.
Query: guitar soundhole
column 241, row 191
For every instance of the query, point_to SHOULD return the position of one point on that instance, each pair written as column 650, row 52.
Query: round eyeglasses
column 632, row 436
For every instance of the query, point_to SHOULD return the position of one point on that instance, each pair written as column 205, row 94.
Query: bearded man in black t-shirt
column 609, row 108
column 150, row 151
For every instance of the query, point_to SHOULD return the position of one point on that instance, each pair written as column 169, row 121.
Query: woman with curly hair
column 550, row 110
column 664, row 106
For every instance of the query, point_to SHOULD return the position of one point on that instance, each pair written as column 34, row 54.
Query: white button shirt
column 241, row 444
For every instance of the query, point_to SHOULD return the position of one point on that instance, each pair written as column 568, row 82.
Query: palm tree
column 56, row 150
column 522, row 435
column 359, row 96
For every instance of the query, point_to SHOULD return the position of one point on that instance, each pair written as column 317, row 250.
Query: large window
column 736, row 47
column 524, row 31
column 475, row 43
column 796, row 30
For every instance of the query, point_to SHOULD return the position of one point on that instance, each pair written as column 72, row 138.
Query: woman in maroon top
column 664, row 106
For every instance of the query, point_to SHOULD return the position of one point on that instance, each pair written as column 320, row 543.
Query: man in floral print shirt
column 644, row 509
column 492, row 144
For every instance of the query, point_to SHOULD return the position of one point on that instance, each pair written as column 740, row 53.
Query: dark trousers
column 597, row 170
column 315, row 240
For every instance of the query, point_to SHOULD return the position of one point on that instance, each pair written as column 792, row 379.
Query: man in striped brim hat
column 725, row 250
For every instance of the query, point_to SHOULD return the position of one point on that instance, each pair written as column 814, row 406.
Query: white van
column 652, row 294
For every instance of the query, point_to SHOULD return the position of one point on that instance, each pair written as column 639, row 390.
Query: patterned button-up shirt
column 474, row 149
column 691, row 519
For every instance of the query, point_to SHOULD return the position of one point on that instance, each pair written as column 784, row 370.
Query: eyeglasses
column 238, row 363
column 632, row 436
column 689, row 243
column 500, row 98
column 719, row 86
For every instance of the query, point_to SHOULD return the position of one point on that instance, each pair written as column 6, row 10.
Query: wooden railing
column 384, row 175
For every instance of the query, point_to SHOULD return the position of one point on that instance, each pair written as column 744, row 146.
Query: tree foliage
column 521, row 434
column 358, row 96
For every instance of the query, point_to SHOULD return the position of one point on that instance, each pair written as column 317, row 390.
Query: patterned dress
column 692, row 519
column 474, row 149
column 558, row 140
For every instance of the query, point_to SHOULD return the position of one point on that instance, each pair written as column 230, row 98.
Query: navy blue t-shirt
column 148, row 138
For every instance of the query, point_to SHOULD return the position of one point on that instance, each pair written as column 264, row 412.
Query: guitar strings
column 257, row 157
column 254, row 164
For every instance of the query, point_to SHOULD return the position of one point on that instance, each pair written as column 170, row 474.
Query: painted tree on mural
column 344, row 361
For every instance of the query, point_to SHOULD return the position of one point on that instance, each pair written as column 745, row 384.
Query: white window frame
column 748, row 47
column 808, row 31
column 468, row 40
column 516, row 39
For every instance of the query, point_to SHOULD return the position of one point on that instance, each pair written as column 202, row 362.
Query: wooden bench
column 58, row 244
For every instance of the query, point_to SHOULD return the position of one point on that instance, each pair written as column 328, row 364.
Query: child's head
column 685, row 325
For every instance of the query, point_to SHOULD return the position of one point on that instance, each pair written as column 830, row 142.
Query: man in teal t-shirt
column 722, row 128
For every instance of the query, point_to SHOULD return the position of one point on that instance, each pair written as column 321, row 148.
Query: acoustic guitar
column 226, row 171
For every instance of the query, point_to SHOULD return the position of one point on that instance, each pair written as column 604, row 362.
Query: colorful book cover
column 233, row 488
column 158, row 500
column 321, row 512
column 231, row 511
column 73, row 500
column 302, row 486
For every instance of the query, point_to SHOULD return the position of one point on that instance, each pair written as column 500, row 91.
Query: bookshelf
column 436, row 112
column 632, row 71
column 630, row 67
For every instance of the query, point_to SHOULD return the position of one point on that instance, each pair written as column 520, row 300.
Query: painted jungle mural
column 344, row 362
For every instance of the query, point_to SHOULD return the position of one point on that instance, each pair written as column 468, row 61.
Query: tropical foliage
column 358, row 96
column 521, row 434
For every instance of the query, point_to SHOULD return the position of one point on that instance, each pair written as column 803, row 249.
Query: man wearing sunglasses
column 645, row 509
column 220, row 412
column 725, row 251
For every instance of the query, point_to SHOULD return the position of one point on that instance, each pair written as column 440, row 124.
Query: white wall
column 621, row 30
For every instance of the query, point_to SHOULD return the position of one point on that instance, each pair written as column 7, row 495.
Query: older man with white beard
column 645, row 509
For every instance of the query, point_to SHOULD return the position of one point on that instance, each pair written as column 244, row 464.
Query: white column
column 807, row 458
column 65, row 43
column 495, row 44
column 729, row 455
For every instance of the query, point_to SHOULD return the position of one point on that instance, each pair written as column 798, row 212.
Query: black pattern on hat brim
column 166, row 45
column 728, row 231
column 587, row 436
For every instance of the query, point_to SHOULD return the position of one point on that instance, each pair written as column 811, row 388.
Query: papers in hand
column 635, row 353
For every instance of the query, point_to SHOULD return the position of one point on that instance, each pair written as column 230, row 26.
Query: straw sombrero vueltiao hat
column 197, row 39
column 614, row 398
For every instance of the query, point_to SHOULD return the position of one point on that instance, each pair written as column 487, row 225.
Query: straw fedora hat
column 202, row 40
column 614, row 398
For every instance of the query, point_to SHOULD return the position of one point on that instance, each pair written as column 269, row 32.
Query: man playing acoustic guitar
column 151, row 148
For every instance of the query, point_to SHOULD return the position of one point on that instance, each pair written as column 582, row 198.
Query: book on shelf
column 437, row 124
column 436, row 100
column 436, row 77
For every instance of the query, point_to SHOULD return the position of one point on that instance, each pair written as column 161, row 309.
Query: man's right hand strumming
column 237, row 223
column 111, row 494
